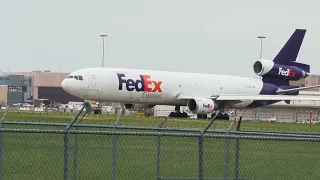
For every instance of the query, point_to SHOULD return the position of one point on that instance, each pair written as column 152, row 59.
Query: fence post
column 159, row 149
column 1, row 139
column 75, row 159
column 201, row 145
column 237, row 155
column 228, row 152
column 114, row 148
column 201, row 170
column 310, row 120
column 66, row 144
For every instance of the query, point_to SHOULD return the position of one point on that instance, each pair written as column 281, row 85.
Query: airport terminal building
column 25, row 87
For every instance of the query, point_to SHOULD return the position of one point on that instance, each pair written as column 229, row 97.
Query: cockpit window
column 76, row 77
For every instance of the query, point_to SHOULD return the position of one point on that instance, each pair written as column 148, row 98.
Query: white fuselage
column 102, row 84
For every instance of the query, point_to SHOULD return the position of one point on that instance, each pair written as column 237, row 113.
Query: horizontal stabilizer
column 296, row 89
column 305, row 67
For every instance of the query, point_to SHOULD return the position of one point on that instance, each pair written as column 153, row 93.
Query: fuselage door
column 93, row 80
column 94, row 90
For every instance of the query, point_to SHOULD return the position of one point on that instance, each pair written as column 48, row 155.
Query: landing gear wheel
column 202, row 116
column 185, row 115
column 178, row 115
column 97, row 111
column 221, row 116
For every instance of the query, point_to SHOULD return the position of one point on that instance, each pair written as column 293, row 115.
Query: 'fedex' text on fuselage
column 142, row 84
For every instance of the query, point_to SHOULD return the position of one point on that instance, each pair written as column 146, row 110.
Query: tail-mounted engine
column 202, row 105
column 269, row 68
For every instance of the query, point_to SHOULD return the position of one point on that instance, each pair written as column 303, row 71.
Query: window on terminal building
column 15, row 89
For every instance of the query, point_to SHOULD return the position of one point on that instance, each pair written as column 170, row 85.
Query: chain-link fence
column 30, row 150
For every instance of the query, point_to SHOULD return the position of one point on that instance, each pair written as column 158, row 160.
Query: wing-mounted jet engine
column 202, row 105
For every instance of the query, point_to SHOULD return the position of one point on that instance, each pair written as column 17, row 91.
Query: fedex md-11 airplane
column 201, row 93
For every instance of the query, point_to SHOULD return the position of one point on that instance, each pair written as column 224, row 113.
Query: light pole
column 103, row 36
column 102, row 64
column 261, row 37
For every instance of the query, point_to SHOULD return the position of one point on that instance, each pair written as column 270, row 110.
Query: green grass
column 155, row 121
column 40, row 156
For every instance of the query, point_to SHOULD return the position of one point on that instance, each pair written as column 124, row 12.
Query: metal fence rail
column 30, row 150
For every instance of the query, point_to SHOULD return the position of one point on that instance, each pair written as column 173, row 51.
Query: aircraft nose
column 65, row 86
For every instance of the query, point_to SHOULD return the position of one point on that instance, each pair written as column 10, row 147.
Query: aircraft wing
column 241, row 97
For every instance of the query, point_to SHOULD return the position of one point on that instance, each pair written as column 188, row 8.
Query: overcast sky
column 178, row 35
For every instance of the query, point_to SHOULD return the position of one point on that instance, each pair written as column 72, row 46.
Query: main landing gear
column 97, row 111
column 220, row 114
column 178, row 114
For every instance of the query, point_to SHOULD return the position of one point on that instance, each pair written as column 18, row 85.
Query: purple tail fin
column 285, row 67
column 289, row 52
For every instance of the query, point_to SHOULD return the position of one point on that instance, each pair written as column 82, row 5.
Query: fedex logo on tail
column 287, row 72
column 143, row 84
